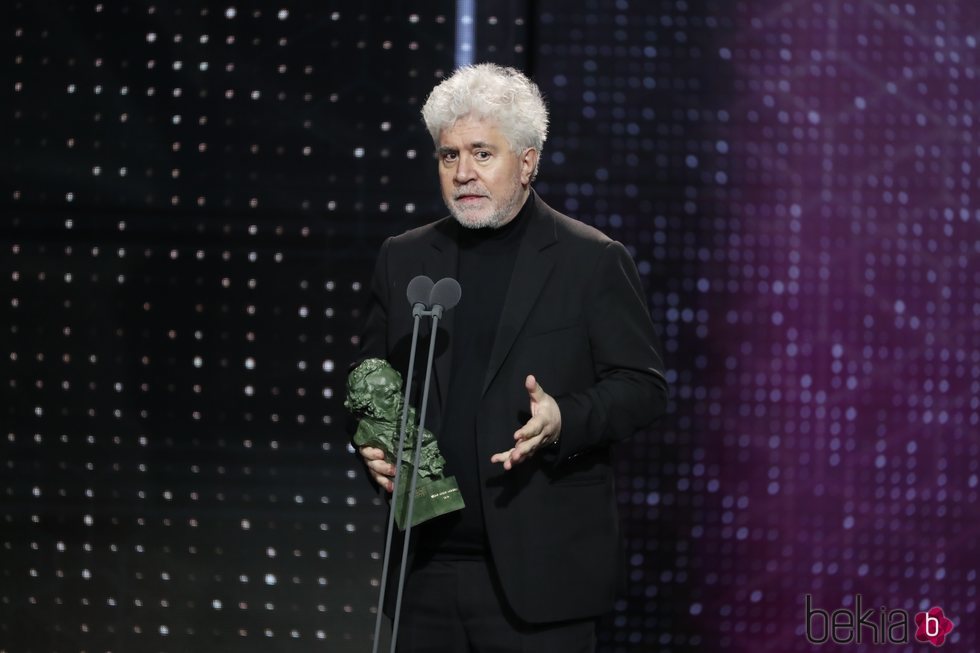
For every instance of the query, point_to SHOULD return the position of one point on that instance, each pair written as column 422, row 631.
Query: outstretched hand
column 541, row 430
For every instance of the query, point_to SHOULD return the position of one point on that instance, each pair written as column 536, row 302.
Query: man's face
column 484, row 182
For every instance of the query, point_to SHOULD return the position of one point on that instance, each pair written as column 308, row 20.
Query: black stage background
column 192, row 197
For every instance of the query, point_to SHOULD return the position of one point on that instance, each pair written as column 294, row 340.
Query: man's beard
column 497, row 218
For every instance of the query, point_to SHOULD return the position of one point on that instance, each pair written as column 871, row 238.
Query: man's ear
column 529, row 162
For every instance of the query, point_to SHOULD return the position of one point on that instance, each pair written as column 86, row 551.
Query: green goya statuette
column 375, row 397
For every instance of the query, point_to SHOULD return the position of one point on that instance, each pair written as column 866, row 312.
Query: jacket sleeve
column 631, row 389
column 374, row 336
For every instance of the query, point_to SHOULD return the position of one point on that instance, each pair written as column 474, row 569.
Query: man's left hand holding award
column 374, row 397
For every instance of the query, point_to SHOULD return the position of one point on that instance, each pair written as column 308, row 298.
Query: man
column 549, row 357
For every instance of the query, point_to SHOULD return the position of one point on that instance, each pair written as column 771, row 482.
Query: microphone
column 445, row 294
column 418, row 293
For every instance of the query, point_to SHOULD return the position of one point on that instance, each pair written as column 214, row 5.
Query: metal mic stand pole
column 417, row 311
column 436, row 314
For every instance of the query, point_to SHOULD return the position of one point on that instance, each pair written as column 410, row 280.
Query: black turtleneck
column 485, row 266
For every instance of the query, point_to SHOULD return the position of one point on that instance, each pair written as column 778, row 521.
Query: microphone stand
column 442, row 296
column 436, row 314
column 417, row 311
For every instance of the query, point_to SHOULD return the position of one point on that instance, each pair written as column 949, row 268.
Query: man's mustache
column 463, row 193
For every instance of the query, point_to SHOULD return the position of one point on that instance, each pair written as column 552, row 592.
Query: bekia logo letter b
column 932, row 626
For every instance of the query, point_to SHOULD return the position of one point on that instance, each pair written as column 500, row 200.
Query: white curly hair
column 489, row 91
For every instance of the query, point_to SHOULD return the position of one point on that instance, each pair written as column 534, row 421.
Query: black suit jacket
column 574, row 316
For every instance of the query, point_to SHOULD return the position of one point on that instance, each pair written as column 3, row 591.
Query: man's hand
column 541, row 430
column 381, row 470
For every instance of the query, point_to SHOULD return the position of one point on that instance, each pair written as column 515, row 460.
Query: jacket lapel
column 441, row 261
column 531, row 271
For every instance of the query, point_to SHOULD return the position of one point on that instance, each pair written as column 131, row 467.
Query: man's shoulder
column 568, row 229
column 578, row 230
column 424, row 234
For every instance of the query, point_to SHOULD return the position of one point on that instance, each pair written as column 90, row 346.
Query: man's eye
column 482, row 156
column 449, row 157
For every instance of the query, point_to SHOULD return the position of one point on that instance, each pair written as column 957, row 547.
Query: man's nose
column 464, row 170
